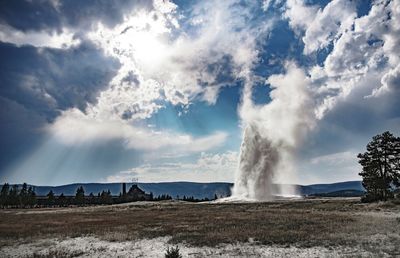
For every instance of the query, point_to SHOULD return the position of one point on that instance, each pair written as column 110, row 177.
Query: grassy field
column 301, row 223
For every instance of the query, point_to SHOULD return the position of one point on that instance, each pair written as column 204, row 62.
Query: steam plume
column 272, row 134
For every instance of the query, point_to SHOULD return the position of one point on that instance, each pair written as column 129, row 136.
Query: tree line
column 80, row 198
column 192, row 199
column 25, row 197
column 381, row 168
column 11, row 196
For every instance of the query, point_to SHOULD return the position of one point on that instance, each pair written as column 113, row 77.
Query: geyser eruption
column 272, row 134
column 258, row 160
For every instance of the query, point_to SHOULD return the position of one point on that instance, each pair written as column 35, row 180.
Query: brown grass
column 301, row 223
column 57, row 253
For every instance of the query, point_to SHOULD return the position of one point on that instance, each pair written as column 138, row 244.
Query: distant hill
column 327, row 188
column 341, row 193
column 197, row 190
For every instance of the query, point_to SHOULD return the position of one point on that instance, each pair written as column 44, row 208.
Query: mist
column 272, row 134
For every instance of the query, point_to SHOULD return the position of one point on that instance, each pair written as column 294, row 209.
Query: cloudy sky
column 108, row 91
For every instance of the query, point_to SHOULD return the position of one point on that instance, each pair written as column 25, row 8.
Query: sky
column 158, row 91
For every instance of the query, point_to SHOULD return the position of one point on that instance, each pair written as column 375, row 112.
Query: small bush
column 368, row 198
column 173, row 252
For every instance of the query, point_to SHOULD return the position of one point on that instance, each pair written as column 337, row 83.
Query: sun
column 147, row 48
column 139, row 41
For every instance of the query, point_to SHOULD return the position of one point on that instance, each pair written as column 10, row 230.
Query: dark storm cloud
column 49, row 80
column 109, row 12
column 37, row 84
column 352, row 123
column 54, row 15
column 30, row 15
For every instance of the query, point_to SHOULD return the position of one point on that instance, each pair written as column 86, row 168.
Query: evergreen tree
column 13, row 196
column 105, row 197
column 151, row 196
column 109, row 199
column 92, row 198
column 62, row 200
column 51, row 200
column 23, row 195
column 381, row 167
column 31, row 196
column 80, row 196
column 4, row 195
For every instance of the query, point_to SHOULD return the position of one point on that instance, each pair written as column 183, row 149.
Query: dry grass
column 57, row 253
column 301, row 223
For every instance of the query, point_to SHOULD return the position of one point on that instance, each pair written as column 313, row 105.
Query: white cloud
column 207, row 168
column 299, row 14
column 320, row 26
column 161, row 63
column 267, row 4
column 271, row 4
column 390, row 82
column 75, row 128
column 335, row 19
column 364, row 48
column 172, row 65
column 64, row 39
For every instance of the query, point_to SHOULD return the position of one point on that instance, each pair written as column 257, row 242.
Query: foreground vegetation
column 24, row 196
column 302, row 223
column 381, row 168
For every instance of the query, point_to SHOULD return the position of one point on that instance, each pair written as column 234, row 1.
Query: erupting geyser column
column 257, row 163
column 272, row 134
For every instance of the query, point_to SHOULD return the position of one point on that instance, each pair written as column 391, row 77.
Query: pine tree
column 381, row 166
column 80, row 196
column 106, row 197
column 13, row 196
column 62, row 200
column 4, row 195
column 31, row 196
column 92, row 198
column 23, row 195
column 50, row 198
column 109, row 199
column 151, row 196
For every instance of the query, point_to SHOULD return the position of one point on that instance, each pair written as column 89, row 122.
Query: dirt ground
column 283, row 228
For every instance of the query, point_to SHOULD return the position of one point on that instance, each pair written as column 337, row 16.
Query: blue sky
column 108, row 91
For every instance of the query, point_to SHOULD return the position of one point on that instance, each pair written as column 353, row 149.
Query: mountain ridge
column 184, row 188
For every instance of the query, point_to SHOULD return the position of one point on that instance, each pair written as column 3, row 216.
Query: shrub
column 173, row 252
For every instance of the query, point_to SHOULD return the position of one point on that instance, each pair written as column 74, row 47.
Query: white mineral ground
column 94, row 247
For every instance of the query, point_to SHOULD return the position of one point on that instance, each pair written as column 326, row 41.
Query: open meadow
column 286, row 228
